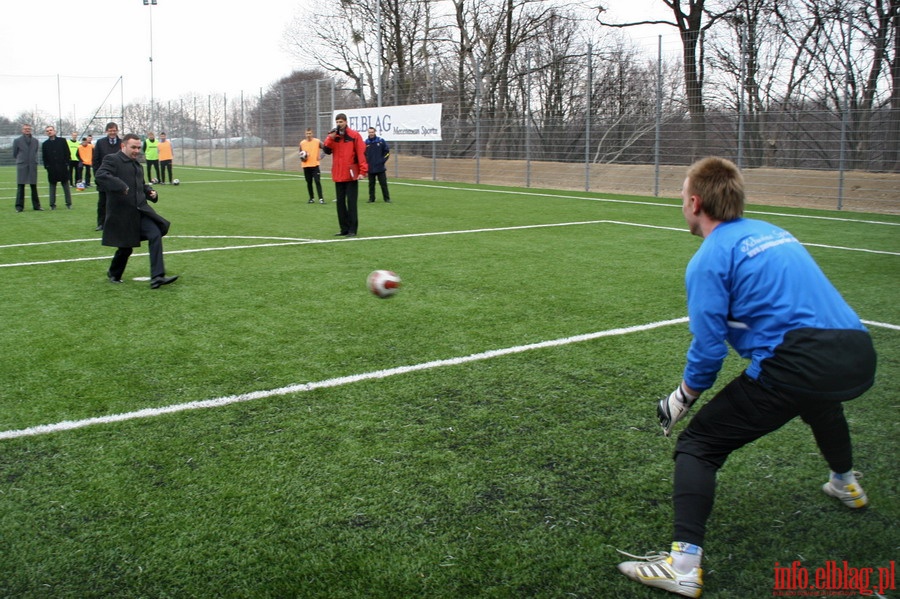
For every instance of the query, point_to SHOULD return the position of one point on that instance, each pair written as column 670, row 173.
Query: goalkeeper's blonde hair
column 720, row 185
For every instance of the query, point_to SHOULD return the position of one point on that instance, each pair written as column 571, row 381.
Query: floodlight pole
column 151, row 4
column 380, row 50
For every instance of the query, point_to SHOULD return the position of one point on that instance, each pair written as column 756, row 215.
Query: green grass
column 510, row 476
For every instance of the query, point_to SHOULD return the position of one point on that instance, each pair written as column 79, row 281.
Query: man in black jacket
column 377, row 154
column 103, row 148
column 129, row 218
column 56, row 156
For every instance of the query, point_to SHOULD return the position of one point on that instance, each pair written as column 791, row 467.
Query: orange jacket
column 165, row 150
column 86, row 153
column 313, row 148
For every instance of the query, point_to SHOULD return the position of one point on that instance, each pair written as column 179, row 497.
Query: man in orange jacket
column 348, row 166
column 165, row 158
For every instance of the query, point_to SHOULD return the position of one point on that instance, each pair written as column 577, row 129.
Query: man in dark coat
column 25, row 151
column 56, row 154
column 110, row 144
column 377, row 154
column 129, row 218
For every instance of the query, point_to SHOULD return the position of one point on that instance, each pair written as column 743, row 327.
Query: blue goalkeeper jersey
column 754, row 286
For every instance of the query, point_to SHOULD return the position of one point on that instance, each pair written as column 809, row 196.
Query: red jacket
column 348, row 156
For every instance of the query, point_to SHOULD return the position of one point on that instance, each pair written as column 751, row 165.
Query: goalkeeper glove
column 671, row 409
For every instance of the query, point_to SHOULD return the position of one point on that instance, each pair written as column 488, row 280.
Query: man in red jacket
column 348, row 166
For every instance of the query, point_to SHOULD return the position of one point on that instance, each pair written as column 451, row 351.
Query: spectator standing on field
column 105, row 147
column 56, row 156
column 25, row 153
column 129, row 218
column 348, row 166
column 755, row 287
column 74, row 162
column 311, row 171
column 377, row 154
column 86, row 156
column 150, row 148
column 165, row 158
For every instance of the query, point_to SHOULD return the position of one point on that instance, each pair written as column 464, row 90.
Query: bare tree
column 345, row 38
column 892, row 151
column 691, row 29
column 840, row 55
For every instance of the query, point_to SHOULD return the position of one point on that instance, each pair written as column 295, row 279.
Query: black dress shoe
column 351, row 234
column 99, row 228
column 112, row 279
column 340, row 234
column 157, row 282
column 19, row 209
column 39, row 209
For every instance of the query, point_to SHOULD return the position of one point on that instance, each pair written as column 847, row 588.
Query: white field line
column 67, row 425
column 328, row 383
column 641, row 203
column 278, row 177
column 291, row 241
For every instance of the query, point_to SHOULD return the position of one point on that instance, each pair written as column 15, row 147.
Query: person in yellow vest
column 86, row 157
column 74, row 163
column 310, row 155
column 165, row 158
column 151, row 153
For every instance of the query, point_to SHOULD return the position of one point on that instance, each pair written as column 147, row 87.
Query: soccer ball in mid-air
column 383, row 283
column 176, row 182
column 303, row 155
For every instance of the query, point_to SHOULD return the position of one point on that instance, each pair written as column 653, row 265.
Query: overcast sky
column 66, row 56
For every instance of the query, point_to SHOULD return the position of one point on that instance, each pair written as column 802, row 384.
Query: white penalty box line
column 218, row 402
column 68, row 425
column 287, row 241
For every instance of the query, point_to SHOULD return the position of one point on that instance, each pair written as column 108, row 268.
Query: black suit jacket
column 126, row 201
column 55, row 154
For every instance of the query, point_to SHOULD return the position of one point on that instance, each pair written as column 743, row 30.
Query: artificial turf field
column 265, row 427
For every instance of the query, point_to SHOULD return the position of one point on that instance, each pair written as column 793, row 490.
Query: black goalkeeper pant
column 741, row 413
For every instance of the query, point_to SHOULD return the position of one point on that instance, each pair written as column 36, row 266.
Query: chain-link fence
column 637, row 144
column 797, row 157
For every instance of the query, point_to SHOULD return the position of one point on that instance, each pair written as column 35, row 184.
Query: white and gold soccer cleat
column 657, row 571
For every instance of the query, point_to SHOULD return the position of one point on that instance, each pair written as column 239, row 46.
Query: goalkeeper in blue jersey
column 753, row 286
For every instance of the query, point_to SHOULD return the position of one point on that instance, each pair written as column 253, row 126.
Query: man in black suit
column 56, row 155
column 129, row 218
column 103, row 148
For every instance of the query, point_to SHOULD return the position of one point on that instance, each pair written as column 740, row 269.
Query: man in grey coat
column 25, row 153
column 129, row 218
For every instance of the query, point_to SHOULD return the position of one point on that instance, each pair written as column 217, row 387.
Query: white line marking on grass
column 301, row 241
column 883, row 325
column 67, row 425
column 674, row 202
column 839, row 247
column 21, row 245
column 96, row 239
column 640, row 202
column 328, row 383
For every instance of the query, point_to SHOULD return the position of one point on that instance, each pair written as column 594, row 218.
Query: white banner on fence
column 419, row 122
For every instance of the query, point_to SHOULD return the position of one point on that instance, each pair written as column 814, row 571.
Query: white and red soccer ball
column 383, row 283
